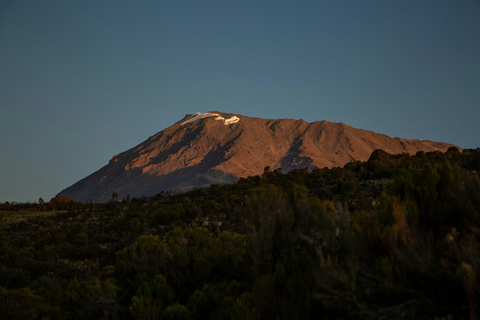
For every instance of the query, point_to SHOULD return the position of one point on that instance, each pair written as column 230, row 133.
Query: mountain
column 214, row 147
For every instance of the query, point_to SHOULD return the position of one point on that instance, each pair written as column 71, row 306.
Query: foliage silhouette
column 395, row 237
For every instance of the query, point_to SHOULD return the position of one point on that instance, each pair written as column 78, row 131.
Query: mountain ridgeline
column 208, row 148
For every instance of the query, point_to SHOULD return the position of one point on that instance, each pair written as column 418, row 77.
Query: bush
column 176, row 312
column 152, row 298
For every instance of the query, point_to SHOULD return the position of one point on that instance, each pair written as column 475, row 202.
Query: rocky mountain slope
column 206, row 148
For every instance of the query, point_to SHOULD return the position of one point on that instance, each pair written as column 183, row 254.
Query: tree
column 41, row 203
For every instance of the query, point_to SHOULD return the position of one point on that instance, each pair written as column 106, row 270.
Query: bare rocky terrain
column 208, row 148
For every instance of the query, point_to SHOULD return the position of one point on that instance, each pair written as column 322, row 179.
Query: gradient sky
column 81, row 81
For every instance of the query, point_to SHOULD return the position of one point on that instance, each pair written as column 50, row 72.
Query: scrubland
column 396, row 237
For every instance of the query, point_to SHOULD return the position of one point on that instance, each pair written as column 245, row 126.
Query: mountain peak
column 216, row 147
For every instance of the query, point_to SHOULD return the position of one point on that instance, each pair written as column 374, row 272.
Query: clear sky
column 81, row 81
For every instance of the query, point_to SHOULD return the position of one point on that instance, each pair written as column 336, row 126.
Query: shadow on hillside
column 182, row 180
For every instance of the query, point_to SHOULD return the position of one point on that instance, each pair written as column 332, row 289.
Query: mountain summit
column 214, row 147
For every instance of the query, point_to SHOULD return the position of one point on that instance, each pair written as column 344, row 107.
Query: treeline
column 396, row 237
column 59, row 202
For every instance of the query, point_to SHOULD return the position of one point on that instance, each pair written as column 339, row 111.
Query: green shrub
column 176, row 312
column 146, row 255
column 152, row 298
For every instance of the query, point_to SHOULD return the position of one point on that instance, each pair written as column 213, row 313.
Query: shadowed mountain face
column 215, row 147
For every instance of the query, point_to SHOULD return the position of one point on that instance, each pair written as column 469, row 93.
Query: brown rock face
column 203, row 149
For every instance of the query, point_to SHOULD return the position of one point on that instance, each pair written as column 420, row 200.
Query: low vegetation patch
column 396, row 237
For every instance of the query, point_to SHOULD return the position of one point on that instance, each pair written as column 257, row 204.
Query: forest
column 394, row 237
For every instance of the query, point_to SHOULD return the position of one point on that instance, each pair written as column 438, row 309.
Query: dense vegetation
column 396, row 237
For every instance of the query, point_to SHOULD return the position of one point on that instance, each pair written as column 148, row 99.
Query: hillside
column 396, row 237
column 207, row 148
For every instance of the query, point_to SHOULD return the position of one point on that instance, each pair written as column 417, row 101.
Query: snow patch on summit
column 231, row 120
column 198, row 116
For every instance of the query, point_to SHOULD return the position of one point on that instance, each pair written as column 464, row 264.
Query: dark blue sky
column 81, row 81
